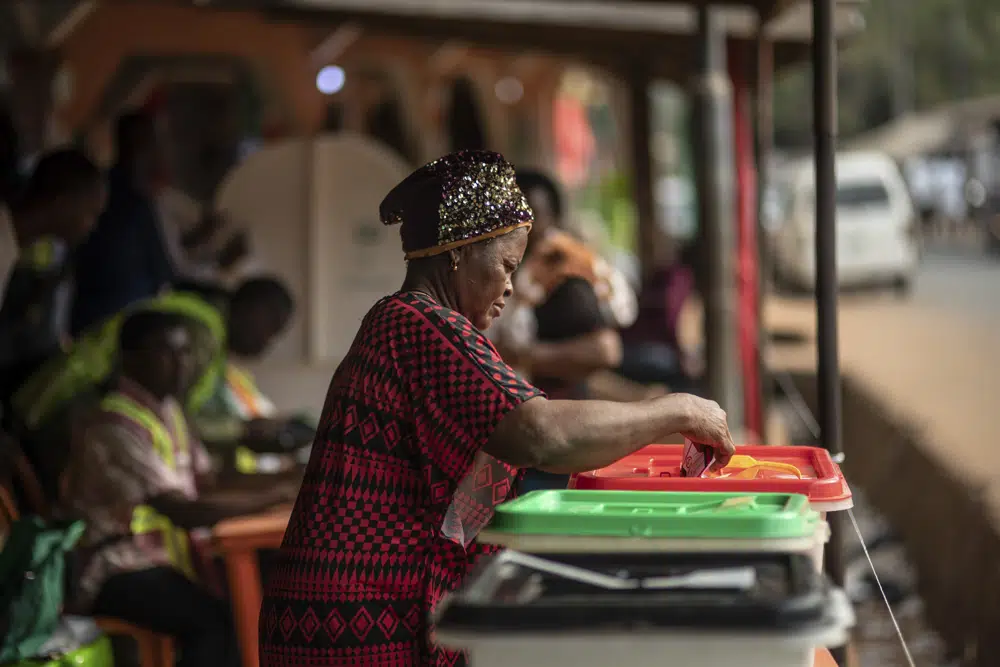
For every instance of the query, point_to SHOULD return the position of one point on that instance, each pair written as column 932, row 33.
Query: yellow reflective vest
column 41, row 255
column 92, row 359
column 146, row 520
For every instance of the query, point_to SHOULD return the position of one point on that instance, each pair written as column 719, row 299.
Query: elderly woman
column 425, row 430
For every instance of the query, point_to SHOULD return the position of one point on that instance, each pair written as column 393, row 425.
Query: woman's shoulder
column 413, row 314
column 427, row 343
column 419, row 319
column 419, row 307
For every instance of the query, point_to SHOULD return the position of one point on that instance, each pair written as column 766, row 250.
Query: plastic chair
column 155, row 650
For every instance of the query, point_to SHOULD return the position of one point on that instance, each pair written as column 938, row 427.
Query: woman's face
column 483, row 277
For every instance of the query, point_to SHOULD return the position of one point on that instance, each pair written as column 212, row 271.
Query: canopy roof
column 659, row 35
column 611, row 33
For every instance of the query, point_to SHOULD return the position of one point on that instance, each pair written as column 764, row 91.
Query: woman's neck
column 434, row 286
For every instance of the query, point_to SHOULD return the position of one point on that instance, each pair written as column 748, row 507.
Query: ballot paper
column 727, row 578
column 696, row 459
column 733, row 578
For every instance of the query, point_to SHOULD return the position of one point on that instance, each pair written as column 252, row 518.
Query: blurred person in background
column 562, row 325
column 138, row 477
column 10, row 158
column 234, row 327
column 652, row 349
column 10, row 185
column 237, row 414
column 201, row 242
column 125, row 260
column 464, row 117
column 49, row 218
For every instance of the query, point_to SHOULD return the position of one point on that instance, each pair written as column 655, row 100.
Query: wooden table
column 237, row 541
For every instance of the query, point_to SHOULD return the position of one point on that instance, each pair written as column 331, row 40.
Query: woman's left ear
column 454, row 256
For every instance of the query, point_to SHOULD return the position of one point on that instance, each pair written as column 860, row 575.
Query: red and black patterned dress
column 394, row 494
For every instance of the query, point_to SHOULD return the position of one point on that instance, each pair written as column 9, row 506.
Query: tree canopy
column 912, row 55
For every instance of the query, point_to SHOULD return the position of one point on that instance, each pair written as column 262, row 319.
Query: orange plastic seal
column 747, row 467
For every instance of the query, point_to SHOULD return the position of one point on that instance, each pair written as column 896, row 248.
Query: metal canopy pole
column 715, row 169
column 640, row 108
column 764, row 149
column 824, row 56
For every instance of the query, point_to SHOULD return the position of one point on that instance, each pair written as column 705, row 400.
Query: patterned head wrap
column 456, row 200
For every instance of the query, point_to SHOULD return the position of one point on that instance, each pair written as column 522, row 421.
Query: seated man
column 235, row 326
column 136, row 476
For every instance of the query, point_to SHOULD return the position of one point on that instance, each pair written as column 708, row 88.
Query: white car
column 877, row 240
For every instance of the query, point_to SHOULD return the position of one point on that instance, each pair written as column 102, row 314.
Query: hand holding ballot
column 708, row 445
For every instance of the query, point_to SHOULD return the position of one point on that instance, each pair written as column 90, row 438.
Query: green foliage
column 913, row 55
column 612, row 199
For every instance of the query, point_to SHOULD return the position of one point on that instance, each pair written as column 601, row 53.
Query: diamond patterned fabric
column 396, row 490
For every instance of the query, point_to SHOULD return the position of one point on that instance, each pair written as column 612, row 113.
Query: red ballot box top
column 755, row 469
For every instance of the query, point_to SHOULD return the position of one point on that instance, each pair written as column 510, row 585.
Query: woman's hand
column 707, row 425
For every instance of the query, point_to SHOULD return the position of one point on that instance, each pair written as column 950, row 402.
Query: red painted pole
column 747, row 259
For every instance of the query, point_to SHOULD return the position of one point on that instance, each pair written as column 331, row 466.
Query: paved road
column 933, row 358
column 960, row 282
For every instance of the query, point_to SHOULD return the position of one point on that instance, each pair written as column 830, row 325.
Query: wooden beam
column 668, row 57
column 335, row 44
column 575, row 41
column 69, row 22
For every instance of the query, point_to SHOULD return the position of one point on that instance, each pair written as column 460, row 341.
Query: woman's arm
column 576, row 436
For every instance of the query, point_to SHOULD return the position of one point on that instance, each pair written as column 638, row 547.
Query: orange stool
column 154, row 650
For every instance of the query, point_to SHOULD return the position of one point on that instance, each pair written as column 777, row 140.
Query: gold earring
column 454, row 263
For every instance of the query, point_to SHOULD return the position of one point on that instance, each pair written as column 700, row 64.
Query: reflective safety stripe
column 40, row 255
column 252, row 404
column 246, row 460
column 162, row 440
column 146, row 520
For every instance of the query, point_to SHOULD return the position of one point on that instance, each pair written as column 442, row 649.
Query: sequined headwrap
column 458, row 199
